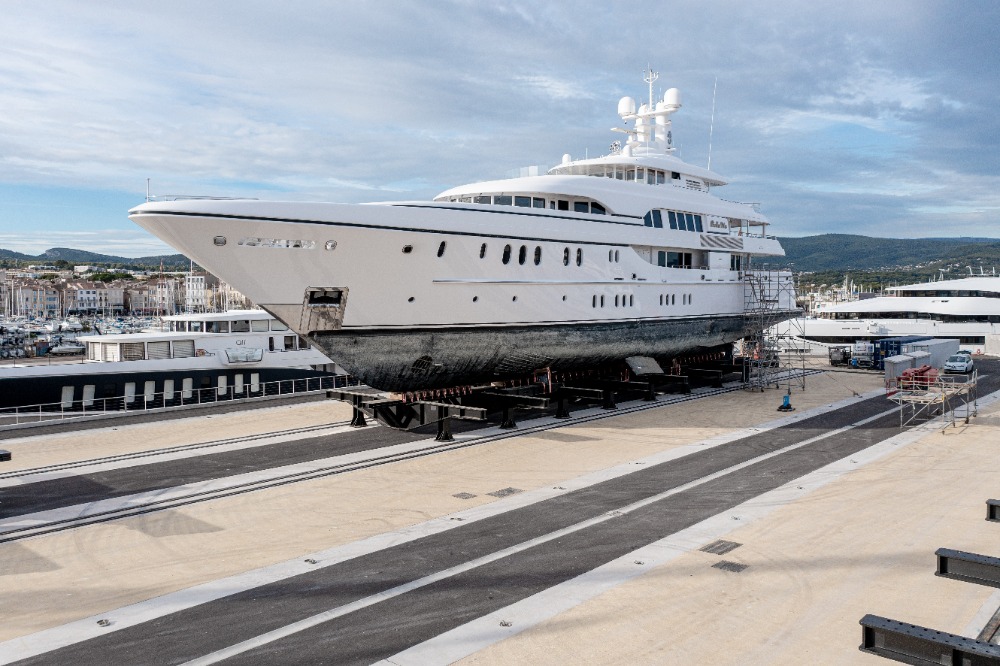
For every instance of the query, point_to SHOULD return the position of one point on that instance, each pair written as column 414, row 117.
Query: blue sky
column 878, row 118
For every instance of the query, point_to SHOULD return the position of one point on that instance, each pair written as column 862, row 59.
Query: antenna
column 711, row 126
column 147, row 190
column 649, row 76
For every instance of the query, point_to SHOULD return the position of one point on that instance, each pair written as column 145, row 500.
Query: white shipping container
column 894, row 366
column 939, row 350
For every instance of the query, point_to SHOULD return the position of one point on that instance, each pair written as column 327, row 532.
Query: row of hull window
column 628, row 300
column 675, row 220
column 621, row 300
column 522, row 255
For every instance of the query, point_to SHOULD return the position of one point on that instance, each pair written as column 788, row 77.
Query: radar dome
column 626, row 106
column 672, row 97
column 567, row 158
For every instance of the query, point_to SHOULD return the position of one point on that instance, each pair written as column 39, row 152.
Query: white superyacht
column 628, row 254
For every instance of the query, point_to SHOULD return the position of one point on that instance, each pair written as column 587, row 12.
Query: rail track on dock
column 29, row 525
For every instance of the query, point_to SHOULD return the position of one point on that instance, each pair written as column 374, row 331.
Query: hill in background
column 77, row 257
column 843, row 252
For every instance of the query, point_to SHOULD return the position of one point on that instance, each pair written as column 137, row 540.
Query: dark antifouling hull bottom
column 423, row 359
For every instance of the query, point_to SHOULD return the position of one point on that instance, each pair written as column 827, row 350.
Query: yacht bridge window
column 579, row 205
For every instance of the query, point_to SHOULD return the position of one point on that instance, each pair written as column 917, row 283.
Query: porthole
column 482, row 251
column 565, row 256
column 593, row 301
column 611, row 255
column 631, row 300
column 616, row 256
column 564, row 297
column 475, row 299
column 579, row 256
column 602, row 300
column 441, row 248
column 616, row 300
column 522, row 255
column 407, row 249
column 331, row 245
column 410, row 299
column 219, row 240
column 514, row 300
column 506, row 254
column 538, row 255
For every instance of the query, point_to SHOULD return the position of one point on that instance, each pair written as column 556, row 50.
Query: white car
column 958, row 363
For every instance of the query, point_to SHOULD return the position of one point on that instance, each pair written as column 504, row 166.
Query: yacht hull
column 414, row 360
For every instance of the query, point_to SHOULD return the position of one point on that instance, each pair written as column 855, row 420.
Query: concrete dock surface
column 812, row 556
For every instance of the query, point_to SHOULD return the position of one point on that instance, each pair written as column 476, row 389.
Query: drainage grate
column 726, row 565
column 463, row 495
column 503, row 492
column 720, row 547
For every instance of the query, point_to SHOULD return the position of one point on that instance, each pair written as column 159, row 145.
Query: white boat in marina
column 628, row 254
column 966, row 309
column 230, row 354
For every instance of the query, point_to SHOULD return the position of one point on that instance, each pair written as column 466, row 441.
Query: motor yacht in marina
column 217, row 355
column 966, row 309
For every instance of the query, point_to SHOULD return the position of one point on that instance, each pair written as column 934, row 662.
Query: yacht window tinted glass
column 597, row 208
column 697, row 223
column 258, row 325
column 481, row 200
column 581, row 207
column 504, row 200
column 523, row 202
column 537, row 202
column 690, row 221
column 657, row 219
column 647, row 219
column 240, row 326
column 672, row 217
column 660, row 179
column 563, row 205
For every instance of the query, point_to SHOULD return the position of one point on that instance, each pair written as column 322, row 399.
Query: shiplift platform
column 703, row 526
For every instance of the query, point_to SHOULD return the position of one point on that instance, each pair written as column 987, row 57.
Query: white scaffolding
column 920, row 399
column 767, row 363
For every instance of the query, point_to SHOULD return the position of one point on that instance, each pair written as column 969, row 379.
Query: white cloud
column 353, row 101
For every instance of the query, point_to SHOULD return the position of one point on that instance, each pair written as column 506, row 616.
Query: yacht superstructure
column 595, row 261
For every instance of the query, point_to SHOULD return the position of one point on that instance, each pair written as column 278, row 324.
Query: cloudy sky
column 879, row 118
